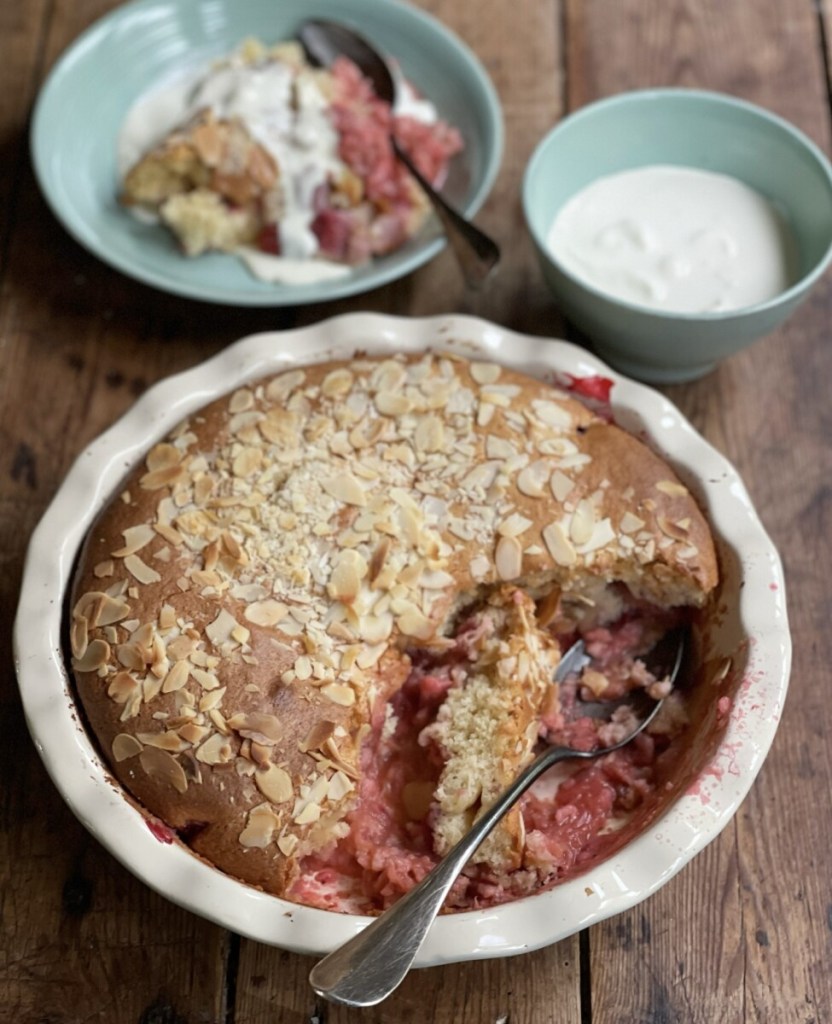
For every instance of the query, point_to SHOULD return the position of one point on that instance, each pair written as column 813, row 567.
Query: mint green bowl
column 696, row 129
column 82, row 105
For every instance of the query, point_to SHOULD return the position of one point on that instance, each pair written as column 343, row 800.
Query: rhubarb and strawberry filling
column 468, row 718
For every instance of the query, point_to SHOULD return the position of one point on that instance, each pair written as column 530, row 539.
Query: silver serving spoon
column 368, row 967
column 323, row 41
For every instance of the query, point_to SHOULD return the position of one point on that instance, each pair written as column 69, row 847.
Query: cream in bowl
column 678, row 239
column 676, row 226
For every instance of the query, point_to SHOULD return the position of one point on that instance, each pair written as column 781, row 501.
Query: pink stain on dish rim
column 159, row 831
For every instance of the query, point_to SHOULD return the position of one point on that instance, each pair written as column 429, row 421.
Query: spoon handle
column 476, row 253
column 367, row 968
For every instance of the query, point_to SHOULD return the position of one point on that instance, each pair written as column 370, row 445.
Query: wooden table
column 744, row 933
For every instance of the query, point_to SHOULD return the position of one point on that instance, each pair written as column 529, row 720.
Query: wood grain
column 744, row 933
column 750, row 915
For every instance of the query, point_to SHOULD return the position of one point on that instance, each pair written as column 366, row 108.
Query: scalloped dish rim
column 616, row 884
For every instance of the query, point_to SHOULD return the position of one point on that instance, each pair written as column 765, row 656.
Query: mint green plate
column 81, row 107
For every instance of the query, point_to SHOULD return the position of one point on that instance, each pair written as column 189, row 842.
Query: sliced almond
column 135, row 538
column 532, row 480
column 583, row 522
column 275, row 784
column 125, row 746
column 508, row 558
column 630, row 523
column 559, row 545
column 514, row 525
column 672, row 488
column 142, row 572
column 339, row 693
column 337, row 383
column 217, row 749
column 96, row 654
column 161, row 765
column 266, row 613
column 344, row 487
column 261, row 824
column 486, row 373
column 177, row 677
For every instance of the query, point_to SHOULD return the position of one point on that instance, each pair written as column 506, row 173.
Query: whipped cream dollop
column 677, row 239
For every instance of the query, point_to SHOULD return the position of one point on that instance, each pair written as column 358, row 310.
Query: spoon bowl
column 324, row 41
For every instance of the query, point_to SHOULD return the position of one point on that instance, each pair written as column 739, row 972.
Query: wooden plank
column 742, row 933
column 538, row 988
column 519, row 45
column 82, row 940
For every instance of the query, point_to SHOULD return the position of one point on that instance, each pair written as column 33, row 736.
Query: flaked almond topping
column 559, row 545
column 583, row 522
column 135, row 538
column 389, row 403
column 279, row 389
column 317, row 736
column 241, row 400
column 377, row 559
column 140, row 570
column 257, row 725
column 345, row 581
column 288, row 844
column 193, row 733
column 485, row 413
column 508, row 558
column 430, row 434
column 125, row 746
column 672, row 488
column 163, row 456
column 486, row 373
column 374, row 629
column 308, row 814
column 479, row 567
column 177, row 677
column 247, row 462
column 552, row 414
column 106, row 568
column 561, row 485
column 514, row 525
column 275, row 784
column 413, row 622
column 167, row 740
column 95, row 656
column 631, row 523
column 498, row 447
column 217, row 749
column 221, row 629
column 261, row 824
column 123, row 687
column 100, row 609
column 344, row 487
column 161, row 765
column 674, row 530
column 167, row 617
column 303, row 667
column 159, row 478
column 266, row 613
column 339, row 693
column 338, row 787
column 78, row 638
column 207, row 680
column 369, row 656
column 337, row 383
column 531, row 480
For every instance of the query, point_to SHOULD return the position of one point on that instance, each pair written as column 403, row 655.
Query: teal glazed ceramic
column 77, row 120
column 703, row 130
